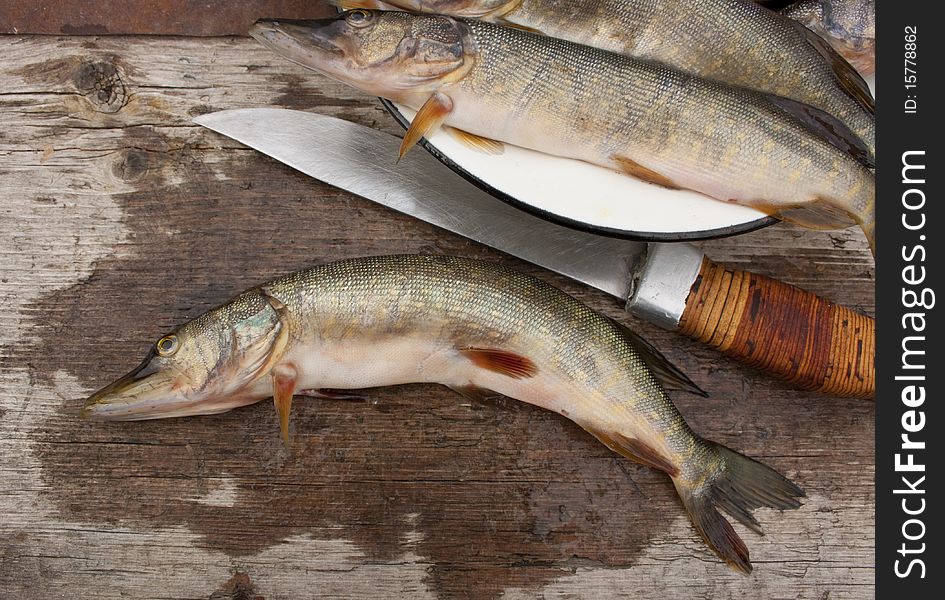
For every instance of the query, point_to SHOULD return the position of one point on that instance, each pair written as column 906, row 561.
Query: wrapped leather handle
column 809, row 341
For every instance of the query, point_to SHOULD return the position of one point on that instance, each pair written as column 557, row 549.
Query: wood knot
column 101, row 84
column 131, row 165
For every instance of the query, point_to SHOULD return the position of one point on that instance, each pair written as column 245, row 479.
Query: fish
column 489, row 85
column 849, row 26
column 734, row 41
column 475, row 326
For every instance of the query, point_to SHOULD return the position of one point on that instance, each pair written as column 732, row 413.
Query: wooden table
column 121, row 219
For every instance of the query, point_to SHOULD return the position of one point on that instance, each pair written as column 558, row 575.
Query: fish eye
column 357, row 18
column 167, row 345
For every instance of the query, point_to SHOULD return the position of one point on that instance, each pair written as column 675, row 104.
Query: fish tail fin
column 738, row 485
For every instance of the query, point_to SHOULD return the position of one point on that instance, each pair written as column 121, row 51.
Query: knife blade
column 779, row 328
column 358, row 159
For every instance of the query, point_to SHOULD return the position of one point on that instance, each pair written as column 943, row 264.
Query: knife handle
column 811, row 342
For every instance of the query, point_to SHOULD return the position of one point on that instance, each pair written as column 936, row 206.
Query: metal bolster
column 661, row 287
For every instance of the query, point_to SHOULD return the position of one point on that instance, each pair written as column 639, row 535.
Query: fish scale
column 648, row 120
column 474, row 326
column 734, row 41
column 606, row 105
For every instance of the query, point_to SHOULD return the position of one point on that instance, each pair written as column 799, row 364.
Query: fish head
column 391, row 54
column 217, row 362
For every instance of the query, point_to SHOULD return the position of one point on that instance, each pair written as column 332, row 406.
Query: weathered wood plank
column 122, row 219
column 161, row 17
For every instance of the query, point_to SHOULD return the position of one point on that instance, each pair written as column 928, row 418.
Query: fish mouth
column 147, row 392
column 296, row 39
column 155, row 391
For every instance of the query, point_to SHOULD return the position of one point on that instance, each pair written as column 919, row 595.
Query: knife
column 811, row 342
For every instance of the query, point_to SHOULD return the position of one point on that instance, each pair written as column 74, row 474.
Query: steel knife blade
column 363, row 161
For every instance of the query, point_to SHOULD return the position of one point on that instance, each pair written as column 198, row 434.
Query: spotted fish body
column 693, row 133
column 474, row 326
column 849, row 26
column 735, row 41
column 428, row 317
column 652, row 122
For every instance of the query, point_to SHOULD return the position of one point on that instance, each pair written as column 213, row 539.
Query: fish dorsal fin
column 476, row 142
column 666, row 372
column 848, row 77
column 428, row 119
column 827, row 127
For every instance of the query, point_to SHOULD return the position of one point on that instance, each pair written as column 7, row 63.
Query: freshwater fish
column 490, row 84
column 849, row 26
column 474, row 326
column 735, row 41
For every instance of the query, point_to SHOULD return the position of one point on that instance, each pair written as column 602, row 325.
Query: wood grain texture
column 121, row 219
column 161, row 17
column 813, row 343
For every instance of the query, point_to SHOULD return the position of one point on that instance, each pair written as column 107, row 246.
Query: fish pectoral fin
column 326, row 394
column 284, row 380
column 633, row 449
column 507, row 363
column 430, row 116
column 475, row 393
column 669, row 375
column 635, row 169
column 477, row 142
column 848, row 77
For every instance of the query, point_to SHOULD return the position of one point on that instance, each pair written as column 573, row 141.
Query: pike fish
column 474, row 326
column 849, row 26
column 490, row 84
column 735, row 41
